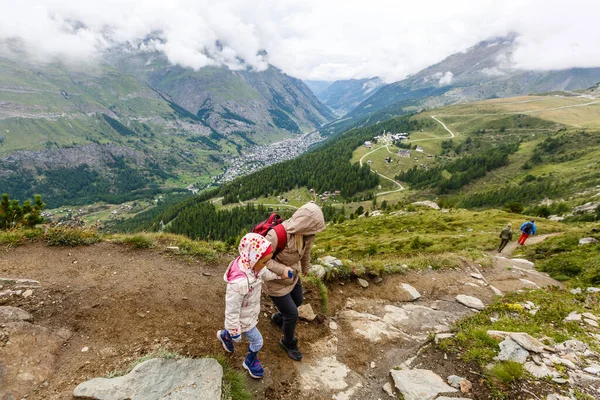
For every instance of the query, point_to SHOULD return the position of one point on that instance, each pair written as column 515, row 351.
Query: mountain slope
column 343, row 96
column 256, row 103
column 482, row 71
column 116, row 135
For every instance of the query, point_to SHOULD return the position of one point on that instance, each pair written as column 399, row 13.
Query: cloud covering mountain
column 308, row 39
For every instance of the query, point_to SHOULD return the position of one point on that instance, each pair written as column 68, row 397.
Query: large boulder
column 470, row 301
column 419, row 384
column 512, row 351
column 158, row 378
column 13, row 314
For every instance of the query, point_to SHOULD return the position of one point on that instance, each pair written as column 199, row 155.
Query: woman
column 287, row 293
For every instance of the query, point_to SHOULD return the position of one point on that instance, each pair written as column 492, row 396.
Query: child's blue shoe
column 253, row 366
column 225, row 340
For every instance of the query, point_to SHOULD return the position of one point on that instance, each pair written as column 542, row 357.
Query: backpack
column 528, row 228
column 273, row 222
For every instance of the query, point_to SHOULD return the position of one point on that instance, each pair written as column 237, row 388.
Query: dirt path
column 123, row 303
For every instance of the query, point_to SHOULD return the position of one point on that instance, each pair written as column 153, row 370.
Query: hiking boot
column 253, row 366
column 225, row 340
column 292, row 349
column 277, row 319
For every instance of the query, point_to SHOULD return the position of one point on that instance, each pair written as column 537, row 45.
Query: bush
column 138, row 241
column 507, row 372
column 514, row 207
column 64, row 236
column 323, row 292
column 419, row 243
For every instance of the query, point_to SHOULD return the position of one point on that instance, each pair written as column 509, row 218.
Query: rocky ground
column 84, row 312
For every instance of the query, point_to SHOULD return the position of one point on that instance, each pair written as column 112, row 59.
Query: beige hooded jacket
column 301, row 229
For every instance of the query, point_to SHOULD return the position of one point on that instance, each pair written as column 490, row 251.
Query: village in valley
column 257, row 157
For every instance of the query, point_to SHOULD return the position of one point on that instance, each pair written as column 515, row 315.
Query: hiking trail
column 103, row 306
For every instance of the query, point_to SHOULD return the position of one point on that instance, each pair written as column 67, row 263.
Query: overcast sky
column 308, row 39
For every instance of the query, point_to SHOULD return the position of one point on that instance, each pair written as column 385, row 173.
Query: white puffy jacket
column 242, row 300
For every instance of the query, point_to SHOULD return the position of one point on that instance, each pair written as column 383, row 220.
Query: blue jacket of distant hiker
column 528, row 228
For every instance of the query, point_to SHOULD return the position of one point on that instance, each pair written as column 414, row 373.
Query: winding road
column 400, row 187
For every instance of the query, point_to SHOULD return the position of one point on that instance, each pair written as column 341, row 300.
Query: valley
column 154, row 160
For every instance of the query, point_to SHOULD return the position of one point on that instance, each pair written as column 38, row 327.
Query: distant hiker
column 244, row 278
column 505, row 236
column 528, row 228
column 287, row 294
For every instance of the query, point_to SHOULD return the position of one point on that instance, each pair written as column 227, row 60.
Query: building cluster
column 325, row 195
column 387, row 137
column 257, row 157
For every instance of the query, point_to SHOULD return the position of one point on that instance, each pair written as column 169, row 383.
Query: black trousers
column 288, row 307
column 503, row 244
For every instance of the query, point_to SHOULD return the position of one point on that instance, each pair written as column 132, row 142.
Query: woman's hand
column 288, row 273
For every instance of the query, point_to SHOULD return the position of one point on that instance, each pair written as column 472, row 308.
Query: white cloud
column 446, row 79
column 333, row 39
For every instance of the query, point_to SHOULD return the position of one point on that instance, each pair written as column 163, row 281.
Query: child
column 244, row 278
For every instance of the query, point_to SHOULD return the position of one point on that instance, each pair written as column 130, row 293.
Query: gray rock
column 378, row 280
column 588, row 240
column 419, row 384
column 476, row 276
column 414, row 293
column 540, row 371
column 185, row 379
column 527, row 342
column 13, row 314
column 573, row 316
column 557, row 396
column 317, row 270
column 586, row 208
column 590, row 322
column 389, row 390
column 593, row 369
column 590, row 316
column 593, row 290
column 172, row 249
column 370, row 326
column 454, row 381
column 523, row 261
column 20, row 282
column 571, row 346
column 576, row 291
column 306, row 312
column 327, row 261
column 496, row 291
column 363, row 283
column 470, row 301
column 427, row 203
column 511, row 351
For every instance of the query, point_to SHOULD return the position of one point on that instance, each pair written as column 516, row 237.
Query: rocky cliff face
column 256, row 103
